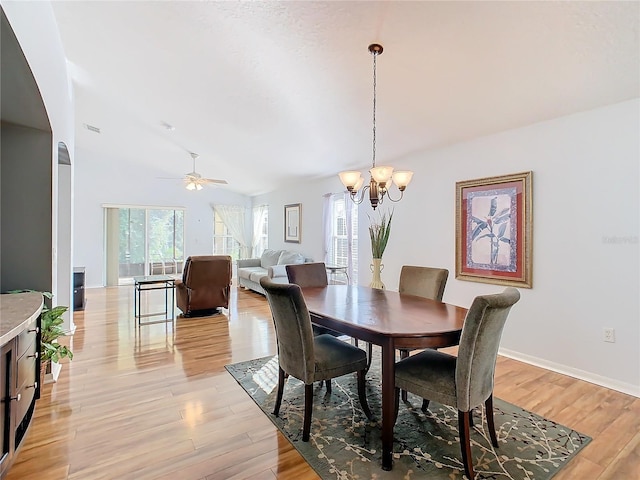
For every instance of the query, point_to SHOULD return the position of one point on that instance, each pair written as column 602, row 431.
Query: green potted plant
column 51, row 351
column 50, row 327
column 379, row 232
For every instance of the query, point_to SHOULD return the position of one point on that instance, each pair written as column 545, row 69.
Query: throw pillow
column 269, row 258
column 289, row 258
column 277, row 271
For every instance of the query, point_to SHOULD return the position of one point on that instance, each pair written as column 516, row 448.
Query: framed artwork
column 292, row 222
column 493, row 230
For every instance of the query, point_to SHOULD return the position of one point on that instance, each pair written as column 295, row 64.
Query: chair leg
column 362, row 395
column 369, row 353
column 465, row 443
column 369, row 356
column 488, row 406
column 396, row 405
column 308, row 408
column 404, row 354
column 327, row 382
column 425, row 404
column 281, row 377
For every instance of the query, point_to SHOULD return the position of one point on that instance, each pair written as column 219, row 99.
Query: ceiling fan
column 194, row 181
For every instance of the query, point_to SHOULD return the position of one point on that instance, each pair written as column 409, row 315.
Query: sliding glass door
column 132, row 242
column 143, row 241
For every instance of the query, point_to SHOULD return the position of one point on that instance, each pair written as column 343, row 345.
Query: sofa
column 271, row 264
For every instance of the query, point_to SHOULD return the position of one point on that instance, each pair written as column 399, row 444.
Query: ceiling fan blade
column 213, row 180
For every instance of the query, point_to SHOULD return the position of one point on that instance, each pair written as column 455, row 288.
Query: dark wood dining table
column 391, row 320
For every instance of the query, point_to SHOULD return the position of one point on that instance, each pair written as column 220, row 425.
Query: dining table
column 392, row 321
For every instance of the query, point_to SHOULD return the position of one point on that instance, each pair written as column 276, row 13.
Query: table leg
column 136, row 303
column 388, row 402
column 173, row 301
column 166, row 300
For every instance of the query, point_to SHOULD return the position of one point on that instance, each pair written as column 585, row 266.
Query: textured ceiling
column 269, row 92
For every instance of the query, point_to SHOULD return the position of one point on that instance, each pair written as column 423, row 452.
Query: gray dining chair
column 426, row 282
column 315, row 275
column 465, row 381
column 305, row 356
column 310, row 275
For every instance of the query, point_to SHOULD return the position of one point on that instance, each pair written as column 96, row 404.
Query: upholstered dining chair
column 465, row 381
column 426, row 282
column 306, row 356
column 315, row 275
column 310, row 275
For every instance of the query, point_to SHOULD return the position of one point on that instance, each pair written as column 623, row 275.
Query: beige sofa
column 271, row 264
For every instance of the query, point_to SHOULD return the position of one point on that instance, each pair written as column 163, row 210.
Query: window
column 223, row 241
column 342, row 234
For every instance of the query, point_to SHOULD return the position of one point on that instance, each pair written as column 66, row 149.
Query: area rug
column 345, row 445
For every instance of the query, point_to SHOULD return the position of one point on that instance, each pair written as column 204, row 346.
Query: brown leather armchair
column 205, row 285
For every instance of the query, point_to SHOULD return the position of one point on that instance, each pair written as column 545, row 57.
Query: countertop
column 17, row 310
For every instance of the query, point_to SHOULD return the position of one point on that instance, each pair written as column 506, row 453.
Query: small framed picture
column 292, row 222
column 493, row 230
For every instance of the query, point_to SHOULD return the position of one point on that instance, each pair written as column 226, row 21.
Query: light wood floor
column 157, row 403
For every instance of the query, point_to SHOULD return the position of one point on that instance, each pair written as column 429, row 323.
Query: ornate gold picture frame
column 494, row 230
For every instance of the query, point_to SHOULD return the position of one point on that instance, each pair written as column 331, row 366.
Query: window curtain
column 327, row 225
column 349, row 207
column 258, row 213
column 233, row 218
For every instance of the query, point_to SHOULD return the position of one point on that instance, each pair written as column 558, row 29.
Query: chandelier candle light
column 381, row 177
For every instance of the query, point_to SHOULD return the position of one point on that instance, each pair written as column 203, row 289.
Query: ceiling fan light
column 198, row 186
column 191, row 186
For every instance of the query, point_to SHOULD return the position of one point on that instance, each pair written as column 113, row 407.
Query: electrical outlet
column 609, row 335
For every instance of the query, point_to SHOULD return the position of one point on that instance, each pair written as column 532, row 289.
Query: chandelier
column 383, row 177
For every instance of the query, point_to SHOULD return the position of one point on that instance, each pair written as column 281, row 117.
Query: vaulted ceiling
column 271, row 92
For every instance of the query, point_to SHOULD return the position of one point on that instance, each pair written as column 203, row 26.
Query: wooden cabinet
column 19, row 370
column 5, row 411
column 78, row 288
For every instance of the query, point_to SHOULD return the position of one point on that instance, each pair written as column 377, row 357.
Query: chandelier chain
column 375, row 55
column 381, row 178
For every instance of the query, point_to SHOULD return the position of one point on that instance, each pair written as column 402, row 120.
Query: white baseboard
column 623, row 387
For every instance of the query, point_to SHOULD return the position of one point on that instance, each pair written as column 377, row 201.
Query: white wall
column 104, row 180
column 586, row 276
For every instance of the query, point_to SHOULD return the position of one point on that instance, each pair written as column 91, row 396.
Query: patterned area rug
column 345, row 445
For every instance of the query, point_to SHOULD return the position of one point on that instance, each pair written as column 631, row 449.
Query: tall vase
column 376, row 268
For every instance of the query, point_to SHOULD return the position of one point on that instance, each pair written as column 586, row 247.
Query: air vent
column 91, row 128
